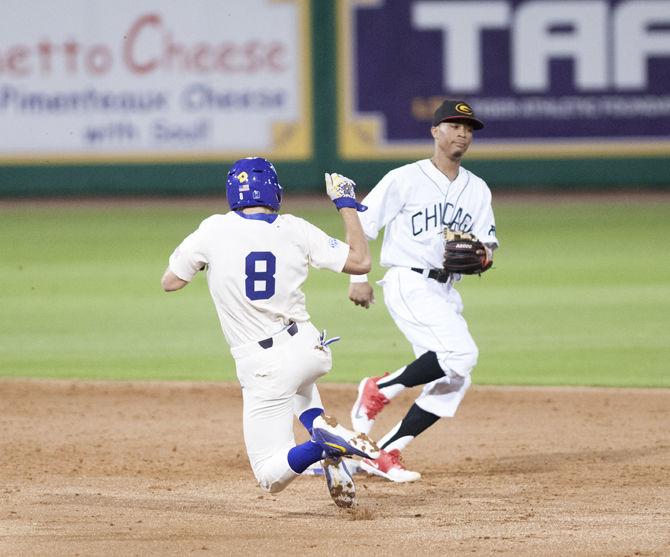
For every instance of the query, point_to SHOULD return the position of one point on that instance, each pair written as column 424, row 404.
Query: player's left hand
column 342, row 192
column 361, row 294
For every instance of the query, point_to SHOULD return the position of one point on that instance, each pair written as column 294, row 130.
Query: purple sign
column 535, row 71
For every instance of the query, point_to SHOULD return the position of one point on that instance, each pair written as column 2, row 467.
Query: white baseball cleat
column 389, row 465
column 339, row 441
column 340, row 483
column 369, row 403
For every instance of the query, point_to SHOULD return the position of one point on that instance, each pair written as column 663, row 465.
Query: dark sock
column 301, row 456
column 423, row 370
column 308, row 416
column 414, row 422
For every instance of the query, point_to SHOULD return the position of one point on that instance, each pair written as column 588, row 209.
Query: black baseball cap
column 451, row 110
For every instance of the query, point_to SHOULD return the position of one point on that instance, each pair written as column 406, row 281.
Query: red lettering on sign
column 199, row 57
column 221, row 58
column 130, row 57
column 98, row 60
column 275, row 57
column 17, row 60
column 44, row 52
column 71, row 51
column 172, row 52
column 45, row 58
column 148, row 47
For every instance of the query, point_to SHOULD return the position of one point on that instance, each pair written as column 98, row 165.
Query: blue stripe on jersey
column 267, row 217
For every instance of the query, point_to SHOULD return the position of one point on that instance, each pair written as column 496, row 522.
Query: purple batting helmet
column 252, row 182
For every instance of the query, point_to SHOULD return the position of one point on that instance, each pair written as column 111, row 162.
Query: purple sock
column 308, row 417
column 301, row 456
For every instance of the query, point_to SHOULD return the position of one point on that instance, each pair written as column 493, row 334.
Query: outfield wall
column 155, row 97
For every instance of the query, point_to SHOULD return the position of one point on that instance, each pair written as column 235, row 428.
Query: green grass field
column 580, row 295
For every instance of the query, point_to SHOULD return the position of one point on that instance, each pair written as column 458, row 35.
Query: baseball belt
column 435, row 274
column 292, row 329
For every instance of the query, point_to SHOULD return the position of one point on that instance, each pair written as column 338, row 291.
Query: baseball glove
column 464, row 254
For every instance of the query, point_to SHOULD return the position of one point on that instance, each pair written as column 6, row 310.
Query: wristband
column 349, row 202
column 358, row 278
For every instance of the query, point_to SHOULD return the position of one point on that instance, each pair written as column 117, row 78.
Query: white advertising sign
column 152, row 80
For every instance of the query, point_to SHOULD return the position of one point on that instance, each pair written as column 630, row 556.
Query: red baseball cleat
column 389, row 465
column 369, row 403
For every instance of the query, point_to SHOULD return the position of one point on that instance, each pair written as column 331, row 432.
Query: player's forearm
column 359, row 261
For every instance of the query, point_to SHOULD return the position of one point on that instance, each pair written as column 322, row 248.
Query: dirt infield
column 93, row 468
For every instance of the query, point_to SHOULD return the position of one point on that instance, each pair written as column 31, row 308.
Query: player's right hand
column 342, row 192
column 361, row 294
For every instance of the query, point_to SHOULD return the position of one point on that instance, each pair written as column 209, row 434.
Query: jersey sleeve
column 325, row 252
column 384, row 202
column 189, row 257
column 485, row 228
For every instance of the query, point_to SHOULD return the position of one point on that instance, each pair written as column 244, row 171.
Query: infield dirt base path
column 95, row 468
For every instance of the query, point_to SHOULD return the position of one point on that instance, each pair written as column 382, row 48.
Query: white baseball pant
column 429, row 314
column 278, row 383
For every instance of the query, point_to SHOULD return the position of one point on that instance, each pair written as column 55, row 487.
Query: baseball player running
column 256, row 262
column 416, row 203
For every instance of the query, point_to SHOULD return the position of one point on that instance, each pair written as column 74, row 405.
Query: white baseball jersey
column 415, row 203
column 256, row 266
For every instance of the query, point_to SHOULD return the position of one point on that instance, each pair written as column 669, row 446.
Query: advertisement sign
column 152, row 80
column 548, row 78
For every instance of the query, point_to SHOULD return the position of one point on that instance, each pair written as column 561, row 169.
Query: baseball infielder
column 415, row 203
column 256, row 261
